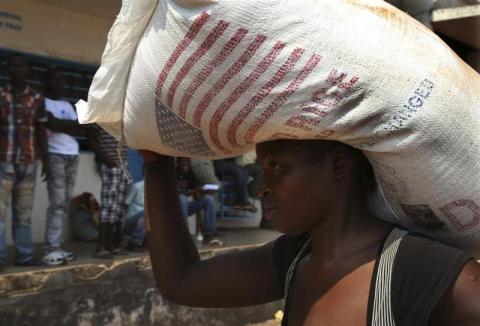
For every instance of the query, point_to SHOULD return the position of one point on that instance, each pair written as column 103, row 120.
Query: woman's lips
column 269, row 212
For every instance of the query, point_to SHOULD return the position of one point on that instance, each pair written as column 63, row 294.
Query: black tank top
column 411, row 275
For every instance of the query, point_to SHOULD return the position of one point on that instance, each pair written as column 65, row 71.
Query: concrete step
column 266, row 323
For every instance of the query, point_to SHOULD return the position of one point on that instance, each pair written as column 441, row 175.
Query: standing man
column 63, row 160
column 23, row 140
column 113, row 195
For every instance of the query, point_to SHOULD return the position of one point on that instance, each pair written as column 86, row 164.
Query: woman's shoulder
column 423, row 270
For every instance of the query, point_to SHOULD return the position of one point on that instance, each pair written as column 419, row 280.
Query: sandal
column 246, row 207
column 212, row 241
column 104, row 254
column 119, row 252
column 68, row 255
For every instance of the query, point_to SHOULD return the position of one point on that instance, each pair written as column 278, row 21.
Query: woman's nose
column 265, row 192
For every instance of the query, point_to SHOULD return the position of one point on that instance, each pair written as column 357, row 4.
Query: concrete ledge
column 120, row 292
column 51, row 278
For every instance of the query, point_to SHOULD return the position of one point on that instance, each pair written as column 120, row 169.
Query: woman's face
column 297, row 190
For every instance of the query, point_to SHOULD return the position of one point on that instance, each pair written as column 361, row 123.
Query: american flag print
column 223, row 83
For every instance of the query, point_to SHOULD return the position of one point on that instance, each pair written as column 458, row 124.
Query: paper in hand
column 210, row 187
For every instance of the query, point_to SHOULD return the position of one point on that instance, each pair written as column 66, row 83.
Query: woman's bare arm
column 230, row 280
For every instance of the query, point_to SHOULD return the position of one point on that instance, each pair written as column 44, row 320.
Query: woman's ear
column 342, row 160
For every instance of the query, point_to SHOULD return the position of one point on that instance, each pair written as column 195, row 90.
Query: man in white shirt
column 63, row 157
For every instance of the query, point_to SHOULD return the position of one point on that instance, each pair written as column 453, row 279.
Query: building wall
column 52, row 31
column 87, row 180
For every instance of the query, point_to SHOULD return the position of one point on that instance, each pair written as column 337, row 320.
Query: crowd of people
column 36, row 126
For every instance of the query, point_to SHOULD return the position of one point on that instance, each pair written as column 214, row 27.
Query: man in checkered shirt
column 23, row 140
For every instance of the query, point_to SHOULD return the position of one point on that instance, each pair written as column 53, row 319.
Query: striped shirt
column 19, row 115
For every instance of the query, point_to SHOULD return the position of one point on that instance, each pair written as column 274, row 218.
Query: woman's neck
column 349, row 232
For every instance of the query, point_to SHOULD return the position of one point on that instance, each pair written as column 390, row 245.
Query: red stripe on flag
column 239, row 90
column 191, row 34
column 227, row 76
column 203, row 75
column 204, row 47
column 261, row 94
column 282, row 98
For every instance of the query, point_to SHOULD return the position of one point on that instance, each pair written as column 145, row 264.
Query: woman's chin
column 289, row 229
column 282, row 228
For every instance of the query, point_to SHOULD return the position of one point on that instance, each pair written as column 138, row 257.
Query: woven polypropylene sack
column 212, row 78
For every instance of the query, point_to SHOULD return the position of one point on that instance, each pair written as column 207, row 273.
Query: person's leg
column 22, row 202
column 209, row 207
column 71, row 172
column 121, row 208
column 135, row 164
column 7, row 177
column 72, row 169
column 108, row 195
column 194, row 206
column 57, row 197
column 121, row 183
column 106, row 211
column 135, row 228
column 115, row 194
column 188, row 207
column 184, row 205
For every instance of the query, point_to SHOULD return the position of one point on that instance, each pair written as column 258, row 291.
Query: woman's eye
column 277, row 168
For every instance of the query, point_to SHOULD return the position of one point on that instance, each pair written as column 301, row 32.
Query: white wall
column 88, row 180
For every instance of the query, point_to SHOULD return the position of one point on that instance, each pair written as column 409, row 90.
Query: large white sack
column 211, row 78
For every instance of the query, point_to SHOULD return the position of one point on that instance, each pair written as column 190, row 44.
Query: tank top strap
column 293, row 266
column 302, row 252
column 380, row 311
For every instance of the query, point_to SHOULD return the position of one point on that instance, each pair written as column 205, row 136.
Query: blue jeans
column 207, row 203
column 134, row 226
column 60, row 184
column 135, row 165
column 17, row 182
